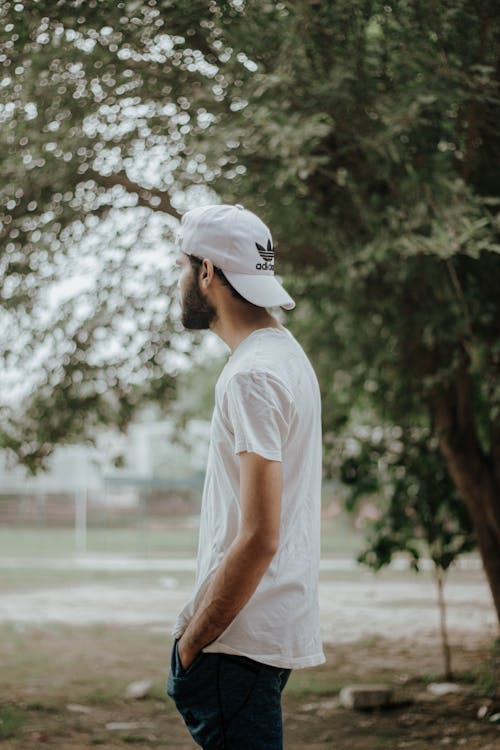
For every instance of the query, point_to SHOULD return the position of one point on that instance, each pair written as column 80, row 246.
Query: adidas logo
column 267, row 255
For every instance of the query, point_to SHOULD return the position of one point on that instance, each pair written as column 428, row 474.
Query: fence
column 136, row 510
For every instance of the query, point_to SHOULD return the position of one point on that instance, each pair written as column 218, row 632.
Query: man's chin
column 192, row 327
column 196, row 324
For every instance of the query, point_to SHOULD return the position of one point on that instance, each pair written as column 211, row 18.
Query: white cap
column 240, row 244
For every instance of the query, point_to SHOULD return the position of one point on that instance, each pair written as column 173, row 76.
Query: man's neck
column 234, row 325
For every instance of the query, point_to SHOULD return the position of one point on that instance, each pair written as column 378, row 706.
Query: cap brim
column 264, row 291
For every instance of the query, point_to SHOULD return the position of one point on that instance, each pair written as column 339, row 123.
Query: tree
column 419, row 509
column 365, row 133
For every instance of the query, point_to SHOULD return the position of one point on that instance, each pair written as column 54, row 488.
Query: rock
column 495, row 718
column 443, row 688
column 365, row 696
column 77, row 708
column 321, row 708
column 117, row 726
column 139, row 689
column 482, row 711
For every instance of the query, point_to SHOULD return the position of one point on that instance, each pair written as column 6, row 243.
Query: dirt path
column 365, row 605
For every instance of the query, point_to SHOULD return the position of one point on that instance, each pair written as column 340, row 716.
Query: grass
column 308, row 682
column 12, row 719
column 19, row 541
column 482, row 678
column 485, row 676
column 103, row 695
column 30, row 577
column 134, row 738
column 178, row 538
column 41, row 707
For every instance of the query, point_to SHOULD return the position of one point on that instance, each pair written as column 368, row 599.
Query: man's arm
column 246, row 560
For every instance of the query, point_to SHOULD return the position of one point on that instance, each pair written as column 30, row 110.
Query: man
column 254, row 614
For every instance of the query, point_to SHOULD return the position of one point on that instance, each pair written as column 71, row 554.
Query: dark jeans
column 229, row 702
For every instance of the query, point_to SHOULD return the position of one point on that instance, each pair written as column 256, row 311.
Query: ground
column 76, row 630
column 63, row 687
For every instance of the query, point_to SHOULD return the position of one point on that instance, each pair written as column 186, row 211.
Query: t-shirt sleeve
column 259, row 409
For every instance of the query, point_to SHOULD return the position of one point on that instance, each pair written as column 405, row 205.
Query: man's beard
column 197, row 313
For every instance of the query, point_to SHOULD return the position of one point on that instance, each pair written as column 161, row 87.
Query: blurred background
column 366, row 135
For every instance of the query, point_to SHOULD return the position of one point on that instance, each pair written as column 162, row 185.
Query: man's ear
column 206, row 274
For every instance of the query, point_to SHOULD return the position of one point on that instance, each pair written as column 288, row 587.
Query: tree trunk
column 440, row 577
column 472, row 471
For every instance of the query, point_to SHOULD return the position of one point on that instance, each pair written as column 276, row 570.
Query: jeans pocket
column 194, row 693
column 176, row 672
column 179, row 677
column 180, row 671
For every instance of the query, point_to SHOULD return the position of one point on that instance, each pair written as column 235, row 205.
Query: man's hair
column 196, row 265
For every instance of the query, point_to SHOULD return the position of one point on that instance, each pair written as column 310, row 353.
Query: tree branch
column 464, row 408
column 495, row 449
column 461, row 296
column 156, row 200
column 473, row 112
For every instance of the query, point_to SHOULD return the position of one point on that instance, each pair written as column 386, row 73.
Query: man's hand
column 186, row 655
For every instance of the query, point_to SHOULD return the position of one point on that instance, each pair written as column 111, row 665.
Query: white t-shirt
column 266, row 402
